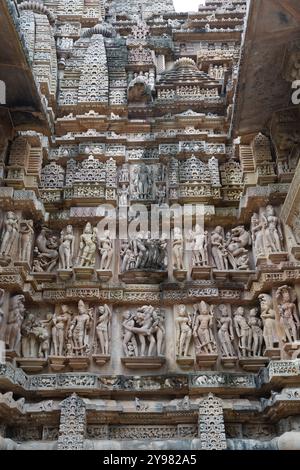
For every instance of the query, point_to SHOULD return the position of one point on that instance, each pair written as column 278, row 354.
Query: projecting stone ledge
column 144, row 362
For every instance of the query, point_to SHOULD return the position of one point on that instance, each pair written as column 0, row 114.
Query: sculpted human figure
column 127, row 256
column 218, row 250
column 103, row 328
column 26, row 233
column 158, row 330
column 46, row 250
column 14, row 321
column 79, row 330
column 29, row 339
column 184, row 332
column 199, row 240
column 123, row 195
column 66, row 248
column 269, row 321
column 2, row 292
column 289, row 317
column 242, row 330
column 9, row 234
column 143, row 181
column 129, row 337
column 61, row 322
column 106, row 250
column 145, row 330
column 225, row 332
column 88, row 246
column 273, row 236
column 257, row 235
column 255, row 334
column 236, row 245
column 177, row 249
column 203, row 328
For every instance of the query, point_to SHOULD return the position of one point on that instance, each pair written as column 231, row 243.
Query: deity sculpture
column 218, row 250
column 123, row 195
column 88, row 246
column 129, row 342
column 242, row 330
column 14, row 321
column 257, row 235
column 66, row 249
column 184, row 331
column 103, row 329
column 273, row 236
column 199, row 239
column 269, row 321
column 144, row 252
column 9, row 234
column 225, row 332
column 237, row 254
column 78, row 335
column 203, row 329
column 142, row 182
column 60, row 326
column 26, row 234
column 255, row 333
column 29, row 341
column 177, row 249
column 106, row 251
column 46, row 250
column 289, row 317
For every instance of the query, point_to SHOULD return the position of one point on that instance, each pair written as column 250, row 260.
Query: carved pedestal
column 100, row 359
column 65, row 273
column 201, row 272
column 5, row 261
column 44, row 276
column 180, row 274
column 206, row 360
column 10, row 355
column 277, row 258
column 142, row 276
column 78, row 363
column 241, row 275
column 292, row 350
column 185, row 361
column 57, row 363
column 220, row 275
column 145, row 362
column 104, row 275
column 272, row 354
column 296, row 251
column 29, row 364
column 261, row 261
column 23, row 264
column 253, row 364
column 229, row 362
column 82, row 272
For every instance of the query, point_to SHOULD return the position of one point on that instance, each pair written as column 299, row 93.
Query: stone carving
column 14, row 322
column 199, row 239
column 225, row 332
column 144, row 332
column 72, row 427
column 211, row 428
column 204, row 339
column 177, row 249
column 103, row 330
column 184, row 331
column 79, row 331
column 105, row 246
column 142, row 182
column 26, row 234
column 36, row 337
column 289, row 317
column 142, row 252
column 87, row 247
column 60, row 327
column 255, row 333
column 257, row 232
column 46, row 251
column 2, row 294
column 267, row 314
column 9, row 235
column 232, row 251
column 66, row 248
column 243, row 331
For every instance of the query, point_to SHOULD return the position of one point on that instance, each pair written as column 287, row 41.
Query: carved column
column 211, row 429
column 72, row 427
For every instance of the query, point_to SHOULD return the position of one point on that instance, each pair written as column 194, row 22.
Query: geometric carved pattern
column 211, row 424
column 72, row 428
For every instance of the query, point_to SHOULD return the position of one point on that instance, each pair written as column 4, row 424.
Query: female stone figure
column 61, row 323
column 177, row 249
column 106, row 251
column 289, row 317
column 10, row 234
column 273, row 236
column 129, row 337
column 103, row 328
column 255, row 333
column 87, row 247
column 26, row 233
column 2, row 292
column 183, row 323
column 202, row 331
column 29, row 339
column 269, row 321
column 225, row 332
column 46, row 250
column 242, row 330
column 218, row 250
column 159, row 330
column 66, row 249
column 257, row 235
column 199, row 247
column 14, row 322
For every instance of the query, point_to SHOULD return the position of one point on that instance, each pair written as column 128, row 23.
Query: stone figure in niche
column 255, row 333
column 123, row 195
column 218, row 249
column 184, row 331
column 257, row 235
column 236, row 245
column 268, row 317
column 106, row 251
column 46, row 251
column 66, row 249
column 78, row 335
column 225, row 332
column 88, row 246
column 14, row 321
column 60, row 326
column 143, row 252
column 2, row 293
column 273, row 236
column 26, row 233
column 9, row 234
column 142, row 182
column 203, row 329
column 158, row 330
column 139, row 90
column 129, row 342
column 103, row 329
column 242, row 330
column 29, row 340
column 177, row 249
column 199, row 239
column 161, row 193
column 289, row 317
column 43, row 332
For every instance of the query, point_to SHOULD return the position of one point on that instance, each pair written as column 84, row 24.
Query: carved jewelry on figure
column 289, row 316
